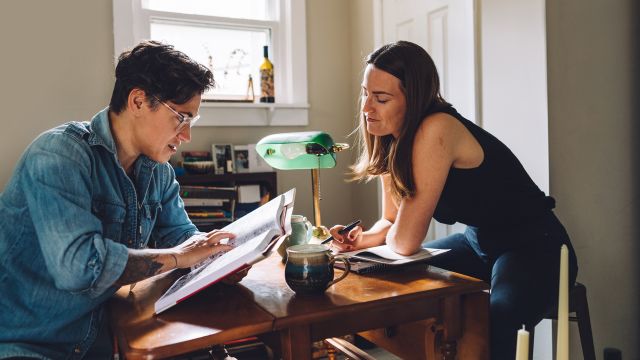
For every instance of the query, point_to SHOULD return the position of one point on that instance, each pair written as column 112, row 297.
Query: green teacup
column 309, row 268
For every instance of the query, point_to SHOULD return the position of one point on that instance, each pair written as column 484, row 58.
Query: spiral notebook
column 383, row 258
column 363, row 267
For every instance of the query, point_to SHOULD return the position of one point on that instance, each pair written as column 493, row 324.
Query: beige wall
column 364, row 196
column 593, row 117
column 514, row 86
column 514, row 96
column 57, row 66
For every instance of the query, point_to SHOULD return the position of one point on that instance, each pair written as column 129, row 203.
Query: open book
column 257, row 234
column 384, row 255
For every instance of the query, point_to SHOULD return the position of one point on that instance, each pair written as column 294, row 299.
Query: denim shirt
column 67, row 217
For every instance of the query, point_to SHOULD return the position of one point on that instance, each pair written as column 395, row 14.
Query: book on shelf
column 384, row 255
column 209, row 206
column 201, row 223
column 257, row 235
column 207, row 192
column 248, row 194
column 203, row 202
column 207, row 213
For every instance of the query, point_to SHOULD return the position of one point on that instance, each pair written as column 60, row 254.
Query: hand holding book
column 256, row 235
column 201, row 246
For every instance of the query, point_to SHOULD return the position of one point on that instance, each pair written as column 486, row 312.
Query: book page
column 248, row 227
column 255, row 234
column 231, row 256
column 285, row 220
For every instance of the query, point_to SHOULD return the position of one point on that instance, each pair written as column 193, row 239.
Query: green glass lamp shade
column 298, row 150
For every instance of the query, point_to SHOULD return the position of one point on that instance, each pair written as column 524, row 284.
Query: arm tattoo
column 140, row 267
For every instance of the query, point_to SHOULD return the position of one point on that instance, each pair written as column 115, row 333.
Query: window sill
column 253, row 114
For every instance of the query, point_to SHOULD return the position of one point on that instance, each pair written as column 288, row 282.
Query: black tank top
column 498, row 194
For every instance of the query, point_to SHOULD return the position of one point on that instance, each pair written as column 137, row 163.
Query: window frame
column 288, row 52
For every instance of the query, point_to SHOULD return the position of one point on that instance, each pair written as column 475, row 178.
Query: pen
column 345, row 230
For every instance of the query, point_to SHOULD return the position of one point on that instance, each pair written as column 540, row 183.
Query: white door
column 446, row 30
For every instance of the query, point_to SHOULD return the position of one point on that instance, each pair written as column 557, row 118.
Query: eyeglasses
column 184, row 120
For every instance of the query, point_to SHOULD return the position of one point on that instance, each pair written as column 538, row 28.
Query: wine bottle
column 267, row 90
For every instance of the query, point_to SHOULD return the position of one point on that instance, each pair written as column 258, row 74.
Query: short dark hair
column 380, row 155
column 161, row 72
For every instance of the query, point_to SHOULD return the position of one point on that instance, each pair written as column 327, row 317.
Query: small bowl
column 199, row 167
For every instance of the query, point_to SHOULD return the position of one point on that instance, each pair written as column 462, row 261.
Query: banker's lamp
column 303, row 150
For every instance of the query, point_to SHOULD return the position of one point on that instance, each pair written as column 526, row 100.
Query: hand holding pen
column 343, row 231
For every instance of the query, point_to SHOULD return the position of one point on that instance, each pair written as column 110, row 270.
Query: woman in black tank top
column 434, row 163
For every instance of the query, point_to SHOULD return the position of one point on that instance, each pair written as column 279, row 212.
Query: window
column 228, row 36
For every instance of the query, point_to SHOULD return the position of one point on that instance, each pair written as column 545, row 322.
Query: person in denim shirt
column 92, row 206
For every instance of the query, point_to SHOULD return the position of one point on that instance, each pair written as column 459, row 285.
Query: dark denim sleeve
column 57, row 185
column 173, row 226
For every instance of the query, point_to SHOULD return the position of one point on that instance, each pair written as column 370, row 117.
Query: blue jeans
column 524, row 277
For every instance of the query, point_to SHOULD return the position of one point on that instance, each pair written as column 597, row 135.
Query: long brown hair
column 381, row 155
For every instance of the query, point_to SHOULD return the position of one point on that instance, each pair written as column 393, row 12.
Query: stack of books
column 209, row 207
column 197, row 162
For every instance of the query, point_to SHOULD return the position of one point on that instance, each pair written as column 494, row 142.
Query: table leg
column 296, row 343
column 452, row 321
column 474, row 343
column 443, row 337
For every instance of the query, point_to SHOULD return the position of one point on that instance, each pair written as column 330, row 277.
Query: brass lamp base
column 320, row 232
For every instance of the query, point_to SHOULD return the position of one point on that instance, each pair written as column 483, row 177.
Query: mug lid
column 307, row 248
column 298, row 218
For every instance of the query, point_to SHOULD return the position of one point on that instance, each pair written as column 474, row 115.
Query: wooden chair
column 578, row 305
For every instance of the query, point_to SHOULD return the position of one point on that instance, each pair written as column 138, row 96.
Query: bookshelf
column 268, row 189
column 268, row 181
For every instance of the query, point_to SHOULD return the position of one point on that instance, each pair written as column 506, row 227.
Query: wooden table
column 216, row 315
column 449, row 310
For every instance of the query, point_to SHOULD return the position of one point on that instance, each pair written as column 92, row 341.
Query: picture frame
column 241, row 158
column 222, row 155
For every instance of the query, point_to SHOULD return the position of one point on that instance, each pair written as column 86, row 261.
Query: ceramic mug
column 309, row 268
column 300, row 234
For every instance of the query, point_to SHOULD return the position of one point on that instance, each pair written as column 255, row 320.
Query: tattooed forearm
column 142, row 265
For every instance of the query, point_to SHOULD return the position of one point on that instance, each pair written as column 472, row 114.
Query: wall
column 513, row 68
column 364, row 195
column 57, row 66
column 593, row 124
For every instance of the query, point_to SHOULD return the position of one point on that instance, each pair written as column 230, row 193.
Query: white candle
column 562, row 343
column 522, row 346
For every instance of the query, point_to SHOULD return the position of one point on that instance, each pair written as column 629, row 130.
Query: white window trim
column 289, row 55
